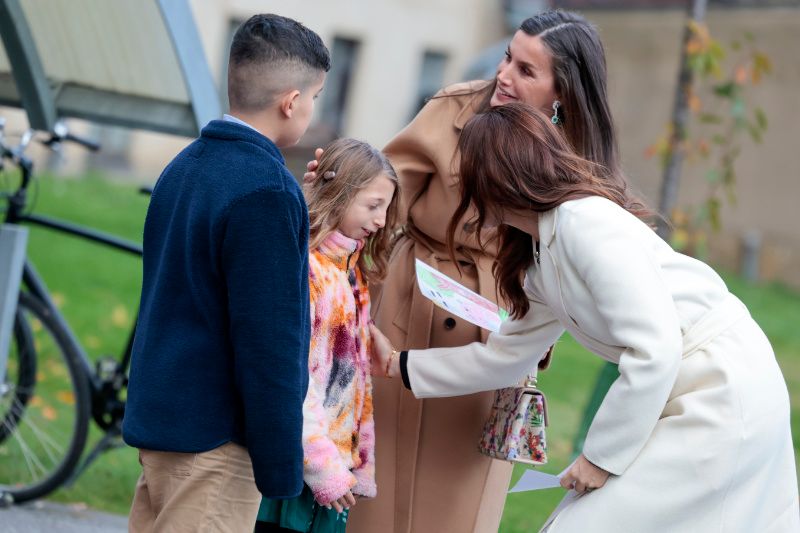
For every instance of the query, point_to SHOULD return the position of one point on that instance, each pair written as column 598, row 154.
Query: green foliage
column 723, row 119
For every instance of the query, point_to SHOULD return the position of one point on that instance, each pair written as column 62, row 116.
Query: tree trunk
column 680, row 118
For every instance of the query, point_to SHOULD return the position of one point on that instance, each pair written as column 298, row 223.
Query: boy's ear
column 288, row 103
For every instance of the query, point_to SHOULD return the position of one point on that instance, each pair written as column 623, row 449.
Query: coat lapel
column 551, row 277
column 554, row 287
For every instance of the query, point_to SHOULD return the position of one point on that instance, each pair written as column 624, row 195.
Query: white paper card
column 535, row 480
column 457, row 299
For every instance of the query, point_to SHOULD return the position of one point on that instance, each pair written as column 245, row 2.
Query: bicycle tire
column 48, row 367
column 26, row 376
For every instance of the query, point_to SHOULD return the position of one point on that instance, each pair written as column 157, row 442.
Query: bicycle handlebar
column 59, row 135
column 16, row 154
column 89, row 144
column 55, row 139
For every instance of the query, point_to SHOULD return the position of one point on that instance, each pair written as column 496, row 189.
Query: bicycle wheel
column 44, row 406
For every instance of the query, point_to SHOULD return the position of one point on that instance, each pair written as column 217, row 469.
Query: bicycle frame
column 13, row 241
column 36, row 286
column 106, row 377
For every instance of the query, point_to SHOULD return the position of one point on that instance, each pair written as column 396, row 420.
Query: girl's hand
column 311, row 166
column 584, row 477
column 382, row 352
column 345, row 502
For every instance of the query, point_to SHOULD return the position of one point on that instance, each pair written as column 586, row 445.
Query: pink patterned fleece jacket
column 338, row 428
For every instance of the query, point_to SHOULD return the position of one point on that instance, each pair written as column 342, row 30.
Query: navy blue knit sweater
column 221, row 347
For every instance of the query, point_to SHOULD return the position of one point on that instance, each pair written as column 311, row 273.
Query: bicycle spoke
column 42, row 437
column 15, row 392
column 44, row 413
column 47, row 444
column 24, row 447
column 20, row 408
column 27, row 454
column 17, row 408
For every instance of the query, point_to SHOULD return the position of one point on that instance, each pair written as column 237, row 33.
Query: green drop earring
column 554, row 119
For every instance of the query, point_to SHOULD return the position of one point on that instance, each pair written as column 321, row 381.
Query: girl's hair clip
column 329, row 175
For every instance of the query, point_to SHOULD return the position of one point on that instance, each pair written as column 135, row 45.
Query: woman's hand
column 311, row 166
column 583, row 476
column 383, row 364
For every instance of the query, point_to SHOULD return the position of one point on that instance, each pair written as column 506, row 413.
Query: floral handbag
column 515, row 429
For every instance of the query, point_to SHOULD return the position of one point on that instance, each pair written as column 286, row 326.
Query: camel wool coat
column 695, row 431
column 430, row 476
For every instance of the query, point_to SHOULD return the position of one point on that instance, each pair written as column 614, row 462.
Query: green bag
column 302, row 514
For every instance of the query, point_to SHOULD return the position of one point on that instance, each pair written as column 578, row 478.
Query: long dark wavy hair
column 513, row 158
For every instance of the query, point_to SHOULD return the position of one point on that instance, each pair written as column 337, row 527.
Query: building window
column 233, row 25
column 431, row 78
column 335, row 95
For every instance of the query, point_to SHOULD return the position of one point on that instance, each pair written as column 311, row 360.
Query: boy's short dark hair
column 269, row 55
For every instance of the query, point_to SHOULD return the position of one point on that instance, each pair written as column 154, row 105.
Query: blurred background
column 388, row 57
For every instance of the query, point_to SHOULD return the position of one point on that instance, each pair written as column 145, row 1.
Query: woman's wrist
column 392, row 364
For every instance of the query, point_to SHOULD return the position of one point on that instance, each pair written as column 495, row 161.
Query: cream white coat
column 696, row 429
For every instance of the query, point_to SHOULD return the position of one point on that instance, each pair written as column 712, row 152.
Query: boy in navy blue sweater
column 220, row 359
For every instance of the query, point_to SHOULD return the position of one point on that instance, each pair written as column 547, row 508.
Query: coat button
column 449, row 323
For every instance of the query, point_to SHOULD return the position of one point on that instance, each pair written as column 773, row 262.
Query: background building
column 390, row 55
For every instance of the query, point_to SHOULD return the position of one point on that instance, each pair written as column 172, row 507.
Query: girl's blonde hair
column 346, row 167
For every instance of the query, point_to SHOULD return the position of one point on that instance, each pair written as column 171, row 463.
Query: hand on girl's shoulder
column 311, row 167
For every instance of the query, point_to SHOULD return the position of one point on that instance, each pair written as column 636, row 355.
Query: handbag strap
column 531, row 380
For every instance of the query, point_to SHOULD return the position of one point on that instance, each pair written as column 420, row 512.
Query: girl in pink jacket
column 352, row 210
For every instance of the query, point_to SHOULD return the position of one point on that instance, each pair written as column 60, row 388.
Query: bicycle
column 52, row 390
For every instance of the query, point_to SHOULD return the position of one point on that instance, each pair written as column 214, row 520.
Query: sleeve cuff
column 602, row 462
column 365, row 484
column 404, row 369
column 333, row 487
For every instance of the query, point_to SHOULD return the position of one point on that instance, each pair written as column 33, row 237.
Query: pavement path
column 48, row 517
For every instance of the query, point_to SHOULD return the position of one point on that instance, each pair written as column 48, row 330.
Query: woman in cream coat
column 694, row 435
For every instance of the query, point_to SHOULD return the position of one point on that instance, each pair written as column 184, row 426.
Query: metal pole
column 751, row 255
column 13, row 240
column 26, row 66
column 203, row 96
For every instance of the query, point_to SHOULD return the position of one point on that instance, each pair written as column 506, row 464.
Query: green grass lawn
column 98, row 291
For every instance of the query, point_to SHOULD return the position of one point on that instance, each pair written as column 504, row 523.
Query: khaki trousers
column 195, row 492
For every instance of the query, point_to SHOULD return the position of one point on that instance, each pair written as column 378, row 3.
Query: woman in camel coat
column 430, row 476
